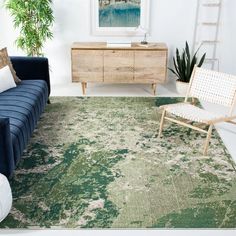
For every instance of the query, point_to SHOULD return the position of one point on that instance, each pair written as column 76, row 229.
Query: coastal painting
column 119, row 13
column 119, row 17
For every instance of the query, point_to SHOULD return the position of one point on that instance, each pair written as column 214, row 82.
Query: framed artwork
column 119, row 17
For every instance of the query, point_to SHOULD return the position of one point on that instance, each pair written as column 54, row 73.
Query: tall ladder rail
column 213, row 43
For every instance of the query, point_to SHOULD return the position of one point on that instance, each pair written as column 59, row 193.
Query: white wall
column 172, row 21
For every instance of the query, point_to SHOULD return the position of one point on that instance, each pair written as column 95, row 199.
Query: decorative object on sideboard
column 119, row 43
column 144, row 32
column 5, row 197
column 34, row 20
column 184, row 64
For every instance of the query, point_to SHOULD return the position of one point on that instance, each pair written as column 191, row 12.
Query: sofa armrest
column 32, row 68
column 7, row 164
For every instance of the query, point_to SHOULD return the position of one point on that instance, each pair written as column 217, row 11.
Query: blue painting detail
column 120, row 15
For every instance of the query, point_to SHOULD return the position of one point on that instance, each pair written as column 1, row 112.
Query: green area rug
column 97, row 163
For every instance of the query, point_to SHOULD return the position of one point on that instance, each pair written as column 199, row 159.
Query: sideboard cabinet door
column 150, row 66
column 118, row 66
column 87, row 65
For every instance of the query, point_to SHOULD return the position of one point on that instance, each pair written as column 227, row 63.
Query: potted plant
column 34, row 19
column 183, row 67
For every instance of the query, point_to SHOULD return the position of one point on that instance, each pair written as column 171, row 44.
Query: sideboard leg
column 83, row 87
column 154, row 88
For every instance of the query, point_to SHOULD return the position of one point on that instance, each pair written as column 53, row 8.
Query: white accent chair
column 5, row 197
column 206, row 85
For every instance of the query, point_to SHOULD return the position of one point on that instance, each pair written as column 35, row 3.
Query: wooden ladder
column 199, row 39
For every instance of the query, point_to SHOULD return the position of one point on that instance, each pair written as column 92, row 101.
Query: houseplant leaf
column 202, row 60
column 34, row 20
column 184, row 63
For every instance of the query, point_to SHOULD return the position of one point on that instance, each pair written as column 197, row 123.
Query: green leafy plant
column 34, row 18
column 184, row 63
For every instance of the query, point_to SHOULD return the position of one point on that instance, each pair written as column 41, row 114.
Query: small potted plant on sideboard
column 183, row 67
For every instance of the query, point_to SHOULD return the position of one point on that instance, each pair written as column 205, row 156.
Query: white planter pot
column 182, row 88
column 5, row 197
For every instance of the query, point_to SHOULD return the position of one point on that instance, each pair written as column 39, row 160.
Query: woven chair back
column 215, row 87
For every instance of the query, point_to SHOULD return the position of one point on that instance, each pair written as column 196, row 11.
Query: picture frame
column 98, row 30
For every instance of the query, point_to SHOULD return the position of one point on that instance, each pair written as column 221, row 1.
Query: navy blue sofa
column 21, row 108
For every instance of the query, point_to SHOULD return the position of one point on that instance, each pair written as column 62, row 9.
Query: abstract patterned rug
column 97, row 163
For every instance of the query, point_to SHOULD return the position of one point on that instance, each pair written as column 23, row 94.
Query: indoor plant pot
column 184, row 64
column 182, row 87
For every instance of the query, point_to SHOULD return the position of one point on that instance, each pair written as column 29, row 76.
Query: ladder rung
column 210, row 23
column 208, row 42
column 211, row 59
column 211, row 4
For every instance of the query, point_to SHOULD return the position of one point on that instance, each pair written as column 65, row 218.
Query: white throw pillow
column 6, row 79
column 5, row 197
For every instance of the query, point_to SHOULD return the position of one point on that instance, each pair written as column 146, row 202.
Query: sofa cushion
column 6, row 79
column 5, row 61
column 23, row 105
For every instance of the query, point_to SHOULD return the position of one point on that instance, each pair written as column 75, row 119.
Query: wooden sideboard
column 97, row 63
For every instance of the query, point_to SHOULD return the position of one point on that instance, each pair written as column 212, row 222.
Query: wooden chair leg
column 162, row 123
column 207, row 140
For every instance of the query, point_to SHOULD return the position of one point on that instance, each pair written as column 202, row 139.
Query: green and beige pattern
column 97, row 163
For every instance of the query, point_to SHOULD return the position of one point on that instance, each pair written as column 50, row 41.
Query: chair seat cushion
column 191, row 112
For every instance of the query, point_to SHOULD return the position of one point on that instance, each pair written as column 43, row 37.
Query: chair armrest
column 32, row 68
column 7, row 163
